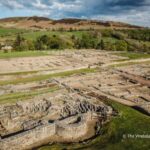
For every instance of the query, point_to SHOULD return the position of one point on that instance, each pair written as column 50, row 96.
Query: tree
column 0, row 46
column 102, row 44
column 19, row 43
column 31, row 45
column 44, row 39
column 87, row 41
column 73, row 37
column 42, row 42
column 121, row 45
column 19, row 39
column 119, row 35
column 46, row 42
column 71, row 29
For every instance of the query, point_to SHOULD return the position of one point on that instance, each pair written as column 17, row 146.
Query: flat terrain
column 57, row 61
column 113, row 79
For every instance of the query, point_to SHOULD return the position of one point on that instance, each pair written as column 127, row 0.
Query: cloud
column 39, row 5
column 132, row 11
column 11, row 4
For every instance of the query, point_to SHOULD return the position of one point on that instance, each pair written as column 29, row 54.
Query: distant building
column 6, row 47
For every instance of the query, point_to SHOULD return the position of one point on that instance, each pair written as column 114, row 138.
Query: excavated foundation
column 62, row 118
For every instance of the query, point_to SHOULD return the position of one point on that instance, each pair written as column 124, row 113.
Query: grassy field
column 10, row 31
column 34, row 35
column 10, row 34
column 114, row 135
column 44, row 77
column 22, row 54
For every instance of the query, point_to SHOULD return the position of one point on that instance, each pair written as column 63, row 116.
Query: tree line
column 104, row 40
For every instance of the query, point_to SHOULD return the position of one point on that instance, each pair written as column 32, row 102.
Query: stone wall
column 70, row 117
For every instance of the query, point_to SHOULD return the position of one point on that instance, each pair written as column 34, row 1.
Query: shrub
column 51, row 42
column 139, row 34
column 121, row 45
column 20, row 44
column 101, row 45
column 119, row 35
column 0, row 46
column 106, row 32
column 87, row 41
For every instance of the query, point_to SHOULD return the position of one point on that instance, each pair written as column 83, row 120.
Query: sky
column 130, row 11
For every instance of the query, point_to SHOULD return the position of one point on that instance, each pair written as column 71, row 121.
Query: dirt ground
column 59, row 61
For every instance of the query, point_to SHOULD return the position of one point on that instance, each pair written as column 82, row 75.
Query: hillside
column 46, row 23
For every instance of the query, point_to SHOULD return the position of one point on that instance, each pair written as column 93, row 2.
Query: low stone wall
column 55, row 132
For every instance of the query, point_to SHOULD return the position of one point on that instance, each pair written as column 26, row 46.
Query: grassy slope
column 128, row 121
column 10, row 31
column 10, row 34
column 34, row 35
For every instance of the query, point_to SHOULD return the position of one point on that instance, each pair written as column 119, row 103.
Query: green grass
column 44, row 77
column 109, row 40
column 14, row 97
column 10, row 31
column 19, row 73
column 128, row 121
column 34, row 35
column 128, row 64
column 132, row 55
column 10, row 34
column 22, row 54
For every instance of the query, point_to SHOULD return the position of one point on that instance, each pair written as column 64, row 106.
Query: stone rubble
column 68, row 117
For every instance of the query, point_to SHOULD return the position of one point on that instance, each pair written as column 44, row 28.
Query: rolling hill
column 66, row 24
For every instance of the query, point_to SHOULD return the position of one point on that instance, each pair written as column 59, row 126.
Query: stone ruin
column 63, row 118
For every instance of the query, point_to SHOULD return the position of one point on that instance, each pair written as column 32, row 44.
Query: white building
column 6, row 47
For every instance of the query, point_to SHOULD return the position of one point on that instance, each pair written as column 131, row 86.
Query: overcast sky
column 130, row 11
